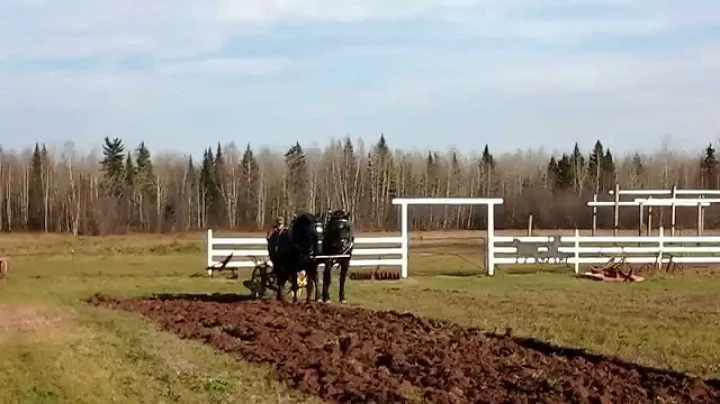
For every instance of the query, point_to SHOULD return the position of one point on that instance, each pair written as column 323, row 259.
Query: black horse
column 338, row 241
column 294, row 250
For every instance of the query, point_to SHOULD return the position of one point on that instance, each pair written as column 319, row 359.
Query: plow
column 263, row 278
column 377, row 274
column 616, row 270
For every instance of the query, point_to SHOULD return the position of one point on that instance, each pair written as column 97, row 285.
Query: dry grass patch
column 35, row 322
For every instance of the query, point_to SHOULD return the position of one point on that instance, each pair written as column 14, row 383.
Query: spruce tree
column 578, row 168
column 208, row 187
column 595, row 168
column 35, row 191
column 487, row 172
column 296, row 178
column 608, row 171
column 552, row 174
column 249, row 192
column 220, row 173
column 566, row 173
column 708, row 169
column 113, row 167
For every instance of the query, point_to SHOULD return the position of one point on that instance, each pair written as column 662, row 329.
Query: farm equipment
column 376, row 275
column 616, row 270
column 222, row 266
column 670, row 268
column 263, row 278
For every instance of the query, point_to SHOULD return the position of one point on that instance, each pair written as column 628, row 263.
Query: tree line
column 128, row 188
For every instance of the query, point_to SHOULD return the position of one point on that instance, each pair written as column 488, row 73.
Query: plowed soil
column 348, row 354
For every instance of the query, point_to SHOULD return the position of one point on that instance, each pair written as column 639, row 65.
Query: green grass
column 56, row 349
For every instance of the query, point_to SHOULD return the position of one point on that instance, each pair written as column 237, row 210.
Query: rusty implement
column 377, row 274
column 615, row 270
column 222, row 266
column 264, row 279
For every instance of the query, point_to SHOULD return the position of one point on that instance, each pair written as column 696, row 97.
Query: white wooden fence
column 599, row 250
column 368, row 251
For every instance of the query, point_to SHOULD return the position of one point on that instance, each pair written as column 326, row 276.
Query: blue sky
column 183, row 74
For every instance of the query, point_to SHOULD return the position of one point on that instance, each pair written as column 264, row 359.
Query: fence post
column 674, row 215
column 594, row 222
column 616, row 210
column 490, row 250
column 577, row 251
column 661, row 245
column 405, row 239
column 209, row 247
column 530, row 225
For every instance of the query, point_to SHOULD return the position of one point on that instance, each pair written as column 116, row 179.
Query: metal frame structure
column 648, row 199
column 489, row 202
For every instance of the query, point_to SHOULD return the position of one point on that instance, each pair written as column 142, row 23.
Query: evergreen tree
column 35, row 191
column 45, row 183
column 208, row 187
column 250, row 191
column 296, row 178
column 553, row 174
column 145, row 172
column 708, row 169
column 488, row 160
column 595, row 168
column 637, row 171
column 566, row 173
column 487, row 172
column 578, row 168
column 431, row 180
column 382, row 182
column 608, row 171
column 220, row 207
column 191, row 193
column 130, row 172
column 146, row 184
column 113, row 167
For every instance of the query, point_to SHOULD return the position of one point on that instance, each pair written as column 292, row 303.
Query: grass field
column 56, row 349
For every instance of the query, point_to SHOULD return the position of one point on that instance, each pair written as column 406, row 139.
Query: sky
column 430, row 74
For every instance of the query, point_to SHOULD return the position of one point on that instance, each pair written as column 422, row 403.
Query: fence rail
column 600, row 249
column 220, row 247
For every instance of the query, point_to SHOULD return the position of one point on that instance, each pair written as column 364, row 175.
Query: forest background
column 127, row 188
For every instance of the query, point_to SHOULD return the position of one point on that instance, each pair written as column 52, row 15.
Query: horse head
column 306, row 234
column 339, row 236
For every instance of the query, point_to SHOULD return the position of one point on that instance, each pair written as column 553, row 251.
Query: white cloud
column 554, row 96
column 234, row 66
column 116, row 28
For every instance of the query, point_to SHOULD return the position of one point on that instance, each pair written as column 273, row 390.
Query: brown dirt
column 348, row 354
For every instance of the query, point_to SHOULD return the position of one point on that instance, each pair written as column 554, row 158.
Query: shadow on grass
column 462, row 274
column 549, row 349
column 228, row 298
column 201, row 297
column 536, row 269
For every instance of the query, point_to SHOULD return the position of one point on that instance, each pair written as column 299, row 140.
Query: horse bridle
column 351, row 244
column 314, row 226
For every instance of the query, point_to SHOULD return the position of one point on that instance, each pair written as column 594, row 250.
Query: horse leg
column 317, row 288
column 281, row 278
column 344, row 266
column 294, row 283
column 312, row 275
column 327, row 274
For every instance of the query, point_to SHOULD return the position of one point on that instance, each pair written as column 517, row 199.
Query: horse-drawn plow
column 263, row 280
column 348, row 354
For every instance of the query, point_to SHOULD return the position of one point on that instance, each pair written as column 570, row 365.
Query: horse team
column 311, row 240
